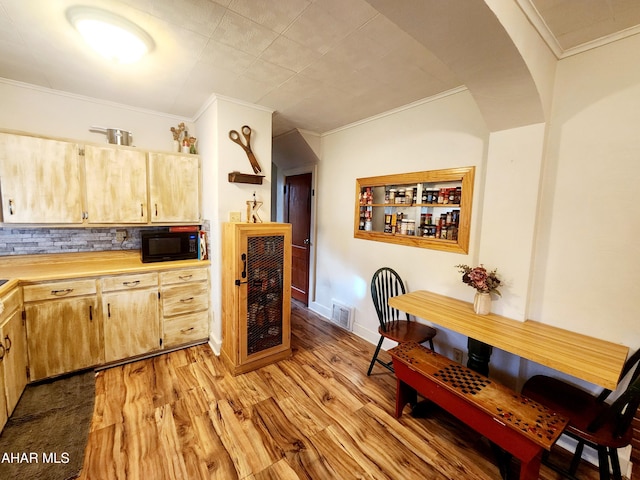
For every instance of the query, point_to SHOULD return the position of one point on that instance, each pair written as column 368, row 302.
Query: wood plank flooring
column 314, row 416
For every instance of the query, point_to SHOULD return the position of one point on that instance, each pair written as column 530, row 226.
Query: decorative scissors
column 246, row 132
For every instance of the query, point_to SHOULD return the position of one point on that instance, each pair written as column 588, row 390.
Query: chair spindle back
column 386, row 283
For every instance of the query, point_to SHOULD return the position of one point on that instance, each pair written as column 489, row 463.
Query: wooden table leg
column 479, row 356
column 404, row 394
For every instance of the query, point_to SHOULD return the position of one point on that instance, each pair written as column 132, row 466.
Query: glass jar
column 411, row 227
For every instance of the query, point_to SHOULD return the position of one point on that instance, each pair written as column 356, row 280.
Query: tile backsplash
column 27, row 241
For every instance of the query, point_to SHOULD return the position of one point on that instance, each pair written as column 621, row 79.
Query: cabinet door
column 4, row 414
column 174, row 188
column 62, row 336
column 116, row 185
column 265, row 296
column 41, row 180
column 14, row 338
column 131, row 325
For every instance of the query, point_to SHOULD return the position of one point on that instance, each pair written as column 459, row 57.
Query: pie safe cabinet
column 256, row 294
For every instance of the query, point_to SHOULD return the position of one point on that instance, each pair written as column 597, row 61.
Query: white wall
column 588, row 251
column 50, row 113
column 220, row 156
column 446, row 132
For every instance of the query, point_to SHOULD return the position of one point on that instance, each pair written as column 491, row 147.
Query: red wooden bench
column 518, row 425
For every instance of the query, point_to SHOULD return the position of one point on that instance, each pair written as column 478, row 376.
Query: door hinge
column 81, row 151
column 28, row 373
column 160, row 342
column 313, row 192
column 158, row 295
column 24, row 316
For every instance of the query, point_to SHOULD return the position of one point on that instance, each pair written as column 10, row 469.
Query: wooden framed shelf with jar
column 430, row 209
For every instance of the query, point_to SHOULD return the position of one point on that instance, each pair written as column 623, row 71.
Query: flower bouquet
column 485, row 282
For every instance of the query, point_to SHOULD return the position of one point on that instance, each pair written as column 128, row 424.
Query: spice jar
column 411, row 227
column 404, row 226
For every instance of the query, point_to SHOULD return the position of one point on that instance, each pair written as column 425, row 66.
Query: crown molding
column 409, row 106
column 532, row 13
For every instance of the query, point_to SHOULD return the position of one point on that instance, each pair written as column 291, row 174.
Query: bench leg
column 404, row 394
column 531, row 469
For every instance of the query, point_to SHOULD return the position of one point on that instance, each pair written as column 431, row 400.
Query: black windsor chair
column 386, row 283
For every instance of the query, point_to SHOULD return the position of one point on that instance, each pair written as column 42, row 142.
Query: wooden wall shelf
column 237, row 177
column 377, row 214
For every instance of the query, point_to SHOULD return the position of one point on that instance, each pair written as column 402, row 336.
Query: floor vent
column 342, row 315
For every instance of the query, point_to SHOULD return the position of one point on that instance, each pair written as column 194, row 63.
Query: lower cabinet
column 13, row 354
column 63, row 327
column 185, row 305
column 76, row 324
column 130, row 313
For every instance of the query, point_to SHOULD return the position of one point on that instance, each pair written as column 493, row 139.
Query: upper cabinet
column 430, row 209
column 40, row 180
column 116, row 181
column 44, row 181
column 174, row 188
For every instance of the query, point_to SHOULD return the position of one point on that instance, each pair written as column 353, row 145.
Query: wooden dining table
column 588, row 358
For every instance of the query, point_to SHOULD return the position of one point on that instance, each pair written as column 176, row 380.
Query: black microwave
column 167, row 246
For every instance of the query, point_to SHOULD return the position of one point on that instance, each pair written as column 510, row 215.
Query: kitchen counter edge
column 24, row 269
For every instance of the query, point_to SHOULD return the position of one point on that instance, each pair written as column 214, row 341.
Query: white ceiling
column 319, row 64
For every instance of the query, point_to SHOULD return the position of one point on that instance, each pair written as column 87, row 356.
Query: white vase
column 482, row 303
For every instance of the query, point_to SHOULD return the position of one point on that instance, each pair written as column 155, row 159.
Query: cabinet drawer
column 10, row 302
column 188, row 298
column 183, row 276
column 53, row 290
column 186, row 328
column 128, row 282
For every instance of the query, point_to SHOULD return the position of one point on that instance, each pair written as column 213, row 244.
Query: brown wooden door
column 297, row 212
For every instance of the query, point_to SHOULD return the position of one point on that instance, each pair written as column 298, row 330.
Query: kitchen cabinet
column 256, row 294
column 63, row 327
column 115, row 184
column 130, row 312
column 174, row 188
column 184, row 297
column 40, row 180
column 13, row 354
column 430, row 209
column 48, row 181
column 4, row 413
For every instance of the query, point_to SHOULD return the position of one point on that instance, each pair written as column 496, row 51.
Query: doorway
column 297, row 212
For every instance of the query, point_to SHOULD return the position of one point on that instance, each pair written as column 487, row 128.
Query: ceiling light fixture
column 111, row 35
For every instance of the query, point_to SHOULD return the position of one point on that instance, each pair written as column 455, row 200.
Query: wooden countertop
column 60, row 266
column 588, row 358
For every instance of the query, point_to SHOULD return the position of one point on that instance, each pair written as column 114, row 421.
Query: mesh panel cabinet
column 256, row 294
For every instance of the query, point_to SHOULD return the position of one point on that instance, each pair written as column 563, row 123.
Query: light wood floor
column 315, row 416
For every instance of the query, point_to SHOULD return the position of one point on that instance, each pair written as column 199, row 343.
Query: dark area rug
column 47, row 433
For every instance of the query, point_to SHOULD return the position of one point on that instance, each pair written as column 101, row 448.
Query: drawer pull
column 186, row 330
column 10, row 206
column 9, row 343
column 60, row 293
column 131, row 284
column 185, row 300
column 185, row 277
